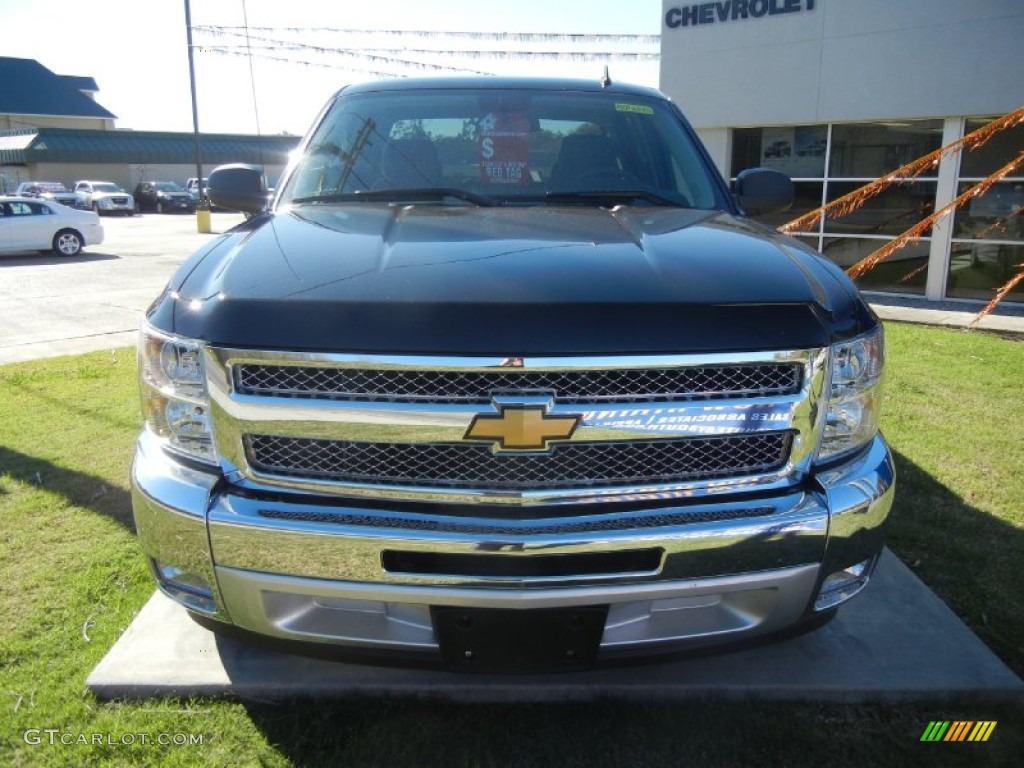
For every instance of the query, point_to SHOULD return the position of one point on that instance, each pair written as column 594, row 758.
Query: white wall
column 846, row 60
column 718, row 142
column 69, row 173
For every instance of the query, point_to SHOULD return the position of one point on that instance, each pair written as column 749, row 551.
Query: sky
column 136, row 50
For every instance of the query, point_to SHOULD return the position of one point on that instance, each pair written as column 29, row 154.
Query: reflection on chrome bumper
column 325, row 571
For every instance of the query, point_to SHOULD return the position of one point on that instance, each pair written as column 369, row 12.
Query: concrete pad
column 896, row 641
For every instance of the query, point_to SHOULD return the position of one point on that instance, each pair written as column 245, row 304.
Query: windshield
column 51, row 186
column 106, row 187
column 503, row 147
column 168, row 186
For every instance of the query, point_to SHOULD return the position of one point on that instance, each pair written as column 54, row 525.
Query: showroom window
column 829, row 161
column 988, row 232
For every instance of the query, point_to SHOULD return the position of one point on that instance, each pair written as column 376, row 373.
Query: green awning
column 13, row 145
column 63, row 145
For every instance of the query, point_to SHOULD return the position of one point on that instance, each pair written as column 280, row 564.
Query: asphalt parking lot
column 53, row 305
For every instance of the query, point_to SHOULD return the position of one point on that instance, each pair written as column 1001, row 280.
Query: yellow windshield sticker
column 640, row 109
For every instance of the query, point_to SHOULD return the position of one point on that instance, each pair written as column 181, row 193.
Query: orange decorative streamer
column 913, row 273
column 1000, row 295
column 922, row 226
column 854, row 200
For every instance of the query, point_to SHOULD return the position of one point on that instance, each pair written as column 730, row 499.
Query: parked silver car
column 104, row 197
column 48, row 190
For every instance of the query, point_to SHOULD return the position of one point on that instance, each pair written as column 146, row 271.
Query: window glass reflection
column 996, row 215
column 985, row 231
column 891, row 212
column 796, row 150
column 978, row 269
column 808, row 198
column 994, row 153
column 903, row 272
column 870, row 150
column 746, row 149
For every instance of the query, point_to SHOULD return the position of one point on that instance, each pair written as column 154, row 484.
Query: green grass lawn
column 954, row 415
column 72, row 577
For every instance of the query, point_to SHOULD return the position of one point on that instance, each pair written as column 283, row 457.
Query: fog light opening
column 840, row 586
column 190, row 590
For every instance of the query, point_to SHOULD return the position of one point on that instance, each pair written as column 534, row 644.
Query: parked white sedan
column 28, row 224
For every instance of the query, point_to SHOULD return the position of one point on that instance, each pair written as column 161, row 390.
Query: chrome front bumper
column 320, row 570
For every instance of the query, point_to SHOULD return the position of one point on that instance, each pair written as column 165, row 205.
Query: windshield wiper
column 654, row 198
column 401, row 196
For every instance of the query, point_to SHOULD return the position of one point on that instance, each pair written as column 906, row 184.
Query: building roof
column 67, row 145
column 29, row 88
column 80, row 83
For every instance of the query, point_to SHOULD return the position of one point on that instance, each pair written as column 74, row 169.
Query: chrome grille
column 568, row 386
column 571, row 465
column 392, row 427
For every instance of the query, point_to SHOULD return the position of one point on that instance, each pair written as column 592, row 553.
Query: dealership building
column 53, row 129
column 836, row 93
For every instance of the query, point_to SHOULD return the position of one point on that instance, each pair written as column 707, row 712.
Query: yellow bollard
column 203, row 221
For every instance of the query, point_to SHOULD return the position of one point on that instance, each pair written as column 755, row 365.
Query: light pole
column 202, row 207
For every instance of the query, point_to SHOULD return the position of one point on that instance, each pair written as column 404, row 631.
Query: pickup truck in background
column 104, row 197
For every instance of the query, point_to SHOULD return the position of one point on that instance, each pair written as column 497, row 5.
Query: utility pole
column 202, row 207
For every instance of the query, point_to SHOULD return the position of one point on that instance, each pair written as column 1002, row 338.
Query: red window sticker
column 504, row 148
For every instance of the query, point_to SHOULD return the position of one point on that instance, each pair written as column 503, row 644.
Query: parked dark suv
column 505, row 377
column 163, row 197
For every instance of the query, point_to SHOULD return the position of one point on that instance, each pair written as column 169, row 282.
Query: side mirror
column 762, row 190
column 238, row 187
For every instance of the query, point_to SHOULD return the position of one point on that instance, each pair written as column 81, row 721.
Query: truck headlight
column 175, row 404
column 853, row 407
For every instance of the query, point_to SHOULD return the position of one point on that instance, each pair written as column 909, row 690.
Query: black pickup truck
column 504, row 377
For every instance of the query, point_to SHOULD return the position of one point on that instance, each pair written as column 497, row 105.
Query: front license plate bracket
column 502, row 640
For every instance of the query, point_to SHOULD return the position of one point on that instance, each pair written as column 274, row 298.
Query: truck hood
column 508, row 281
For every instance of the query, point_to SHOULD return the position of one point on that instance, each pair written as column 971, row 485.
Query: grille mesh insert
column 570, row 465
column 568, row 386
column 498, row 527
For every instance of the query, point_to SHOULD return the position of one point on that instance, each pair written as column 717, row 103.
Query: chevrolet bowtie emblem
column 521, row 427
